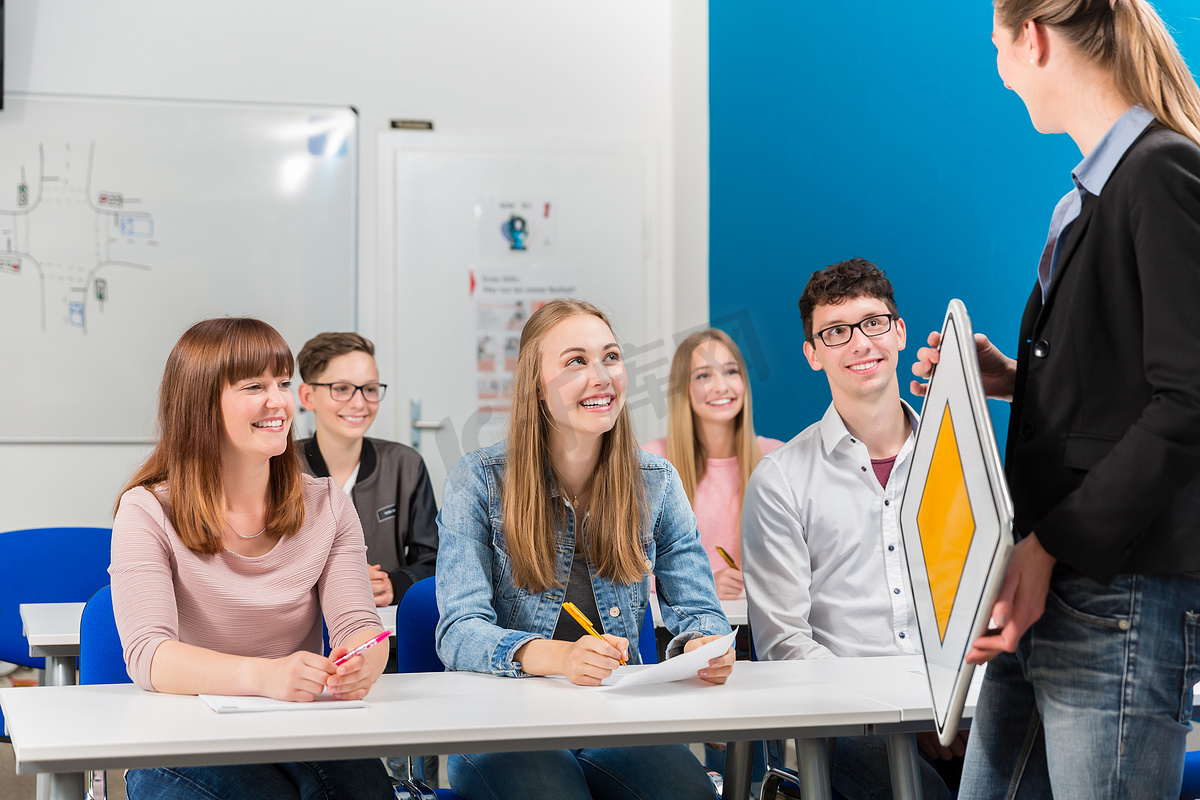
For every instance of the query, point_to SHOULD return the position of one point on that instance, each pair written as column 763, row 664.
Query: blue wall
column 868, row 128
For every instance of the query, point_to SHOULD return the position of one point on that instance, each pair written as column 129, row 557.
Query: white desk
column 53, row 633
column 387, row 615
column 735, row 611
column 72, row 728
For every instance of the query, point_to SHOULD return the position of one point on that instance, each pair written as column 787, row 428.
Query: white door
column 438, row 201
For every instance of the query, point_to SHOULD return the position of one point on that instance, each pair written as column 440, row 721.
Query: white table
column 72, row 728
column 53, row 633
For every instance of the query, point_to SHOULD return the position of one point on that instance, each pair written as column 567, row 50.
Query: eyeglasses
column 371, row 392
column 837, row 335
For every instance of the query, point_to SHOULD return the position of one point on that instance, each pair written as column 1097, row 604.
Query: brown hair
column 1127, row 38
column 210, row 356
column 325, row 347
column 844, row 281
column 684, row 449
column 531, row 517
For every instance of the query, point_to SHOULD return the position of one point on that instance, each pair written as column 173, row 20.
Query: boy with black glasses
column 387, row 481
column 822, row 557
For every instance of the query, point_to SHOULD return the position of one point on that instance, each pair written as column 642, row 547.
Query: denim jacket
column 485, row 617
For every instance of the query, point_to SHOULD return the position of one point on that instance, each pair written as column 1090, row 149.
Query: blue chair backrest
column 101, row 659
column 647, row 644
column 416, row 624
column 47, row 565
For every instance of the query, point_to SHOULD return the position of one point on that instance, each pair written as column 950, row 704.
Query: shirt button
column 901, row 634
column 616, row 612
column 895, row 591
column 891, row 547
column 852, row 440
column 1041, row 348
column 887, row 502
column 864, row 469
column 1026, row 431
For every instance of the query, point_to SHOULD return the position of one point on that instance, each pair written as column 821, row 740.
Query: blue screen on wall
column 871, row 128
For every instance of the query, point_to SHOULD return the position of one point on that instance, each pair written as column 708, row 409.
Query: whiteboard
column 122, row 222
column 442, row 200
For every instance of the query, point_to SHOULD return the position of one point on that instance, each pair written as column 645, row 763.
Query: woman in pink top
column 710, row 440
column 225, row 557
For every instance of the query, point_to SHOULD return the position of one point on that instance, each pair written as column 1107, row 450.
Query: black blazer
column 1104, row 441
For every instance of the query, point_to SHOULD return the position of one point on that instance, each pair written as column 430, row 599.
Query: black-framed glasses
column 371, row 392
column 837, row 335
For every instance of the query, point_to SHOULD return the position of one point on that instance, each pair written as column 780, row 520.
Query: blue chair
column 647, row 643
column 101, row 659
column 416, row 625
column 46, row 565
column 416, row 651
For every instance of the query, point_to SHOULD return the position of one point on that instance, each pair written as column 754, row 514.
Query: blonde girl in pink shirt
column 711, row 442
column 226, row 558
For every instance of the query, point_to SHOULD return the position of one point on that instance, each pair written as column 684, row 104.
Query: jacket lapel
column 1064, row 261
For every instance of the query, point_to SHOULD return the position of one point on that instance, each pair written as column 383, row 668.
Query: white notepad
column 232, row 704
column 679, row 668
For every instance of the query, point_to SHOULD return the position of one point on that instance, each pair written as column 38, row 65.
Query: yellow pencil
column 728, row 558
column 584, row 622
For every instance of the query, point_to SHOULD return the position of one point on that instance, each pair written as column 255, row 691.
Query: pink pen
column 362, row 648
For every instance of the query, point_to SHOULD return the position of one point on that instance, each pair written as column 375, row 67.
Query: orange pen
column 584, row 622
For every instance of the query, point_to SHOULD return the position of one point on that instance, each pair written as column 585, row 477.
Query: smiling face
column 342, row 419
column 583, row 378
column 257, row 416
column 864, row 367
column 715, row 385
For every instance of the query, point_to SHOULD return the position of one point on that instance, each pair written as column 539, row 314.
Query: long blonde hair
column 210, row 356
column 684, row 448
column 1128, row 38
column 531, row 517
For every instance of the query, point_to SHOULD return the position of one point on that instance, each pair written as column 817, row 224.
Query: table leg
column 66, row 786
column 738, row 756
column 813, row 769
column 60, row 670
column 906, row 769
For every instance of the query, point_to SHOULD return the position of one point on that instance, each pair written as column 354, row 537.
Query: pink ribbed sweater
column 268, row 606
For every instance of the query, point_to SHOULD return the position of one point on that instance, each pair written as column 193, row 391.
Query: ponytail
column 1128, row 38
column 1149, row 70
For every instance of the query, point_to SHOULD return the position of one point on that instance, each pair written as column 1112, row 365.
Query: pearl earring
column 1031, row 61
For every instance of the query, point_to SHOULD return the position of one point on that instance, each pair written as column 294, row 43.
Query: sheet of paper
column 678, row 668
column 232, row 704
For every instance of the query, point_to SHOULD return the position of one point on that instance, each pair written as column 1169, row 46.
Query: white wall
column 623, row 69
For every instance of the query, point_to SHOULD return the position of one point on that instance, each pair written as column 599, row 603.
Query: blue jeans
column 1097, row 699
column 362, row 779
column 604, row 773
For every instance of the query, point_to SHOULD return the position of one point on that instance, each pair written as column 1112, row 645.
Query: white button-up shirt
column 822, row 557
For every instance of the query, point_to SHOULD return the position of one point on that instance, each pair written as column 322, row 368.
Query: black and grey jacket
column 395, row 502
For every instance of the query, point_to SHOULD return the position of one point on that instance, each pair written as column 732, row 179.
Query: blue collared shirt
column 1089, row 176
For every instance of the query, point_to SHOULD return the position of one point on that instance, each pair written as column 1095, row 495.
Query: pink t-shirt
column 718, row 502
column 267, row 606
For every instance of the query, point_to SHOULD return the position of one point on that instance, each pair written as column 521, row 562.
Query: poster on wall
column 502, row 298
column 516, row 227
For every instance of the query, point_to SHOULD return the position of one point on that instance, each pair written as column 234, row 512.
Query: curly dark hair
column 844, row 281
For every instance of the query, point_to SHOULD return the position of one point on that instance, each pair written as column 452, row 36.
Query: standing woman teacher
column 225, row 558
column 1088, row 693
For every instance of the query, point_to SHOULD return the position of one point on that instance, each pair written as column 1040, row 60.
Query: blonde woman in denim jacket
column 568, row 508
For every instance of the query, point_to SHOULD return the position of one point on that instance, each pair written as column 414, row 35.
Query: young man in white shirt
column 822, row 557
